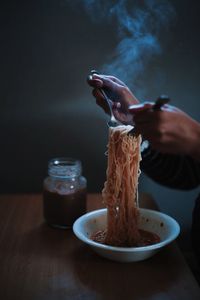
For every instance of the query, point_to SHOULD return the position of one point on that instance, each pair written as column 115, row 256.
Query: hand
column 119, row 94
column 168, row 130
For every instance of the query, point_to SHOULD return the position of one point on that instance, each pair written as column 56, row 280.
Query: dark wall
column 47, row 50
column 46, row 107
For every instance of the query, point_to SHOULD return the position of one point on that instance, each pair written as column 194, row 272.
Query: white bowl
column 161, row 224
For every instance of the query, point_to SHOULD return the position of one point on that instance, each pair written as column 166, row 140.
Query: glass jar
column 64, row 192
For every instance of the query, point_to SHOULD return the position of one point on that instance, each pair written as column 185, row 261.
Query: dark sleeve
column 174, row 171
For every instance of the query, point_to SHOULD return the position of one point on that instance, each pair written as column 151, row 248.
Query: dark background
column 47, row 50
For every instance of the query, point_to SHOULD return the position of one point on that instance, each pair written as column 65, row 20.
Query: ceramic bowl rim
column 102, row 211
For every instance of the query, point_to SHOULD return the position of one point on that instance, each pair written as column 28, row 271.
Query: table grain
column 38, row 262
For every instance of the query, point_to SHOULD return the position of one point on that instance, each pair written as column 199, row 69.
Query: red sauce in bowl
column 146, row 238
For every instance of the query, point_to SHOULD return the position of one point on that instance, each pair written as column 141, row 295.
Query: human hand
column 168, row 130
column 119, row 94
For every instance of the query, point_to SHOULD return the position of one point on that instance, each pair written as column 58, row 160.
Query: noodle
column 120, row 189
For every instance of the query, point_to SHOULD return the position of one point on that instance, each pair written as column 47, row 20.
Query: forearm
column 174, row 171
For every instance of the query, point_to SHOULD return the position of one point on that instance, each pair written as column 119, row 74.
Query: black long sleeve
column 179, row 172
column 174, row 171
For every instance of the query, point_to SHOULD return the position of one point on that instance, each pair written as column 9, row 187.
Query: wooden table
column 38, row 262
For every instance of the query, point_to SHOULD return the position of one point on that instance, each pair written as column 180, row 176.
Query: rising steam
column 139, row 25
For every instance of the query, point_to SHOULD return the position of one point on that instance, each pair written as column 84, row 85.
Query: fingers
column 97, row 93
column 141, row 113
column 109, row 82
column 100, row 100
column 116, row 105
column 116, row 80
column 94, row 82
column 103, row 103
column 107, row 79
column 140, row 107
column 146, row 120
column 148, row 131
column 151, row 106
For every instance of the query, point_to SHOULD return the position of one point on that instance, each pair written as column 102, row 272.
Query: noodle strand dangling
column 120, row 189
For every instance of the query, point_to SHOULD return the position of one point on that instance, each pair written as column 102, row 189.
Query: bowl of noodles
column 91, row 227
column 123, row 231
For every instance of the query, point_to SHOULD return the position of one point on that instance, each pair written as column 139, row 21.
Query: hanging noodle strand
column 120, row 189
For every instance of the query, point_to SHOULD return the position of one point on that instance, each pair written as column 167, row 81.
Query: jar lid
column 64, row 167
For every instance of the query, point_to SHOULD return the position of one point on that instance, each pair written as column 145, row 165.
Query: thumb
column 141, row 107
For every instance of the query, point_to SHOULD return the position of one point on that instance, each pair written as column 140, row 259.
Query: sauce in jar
column 64, row 193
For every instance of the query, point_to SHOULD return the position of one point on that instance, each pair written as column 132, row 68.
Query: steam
column 139, row 25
